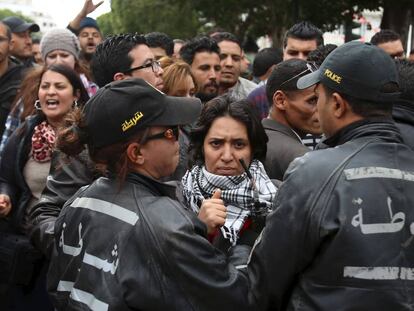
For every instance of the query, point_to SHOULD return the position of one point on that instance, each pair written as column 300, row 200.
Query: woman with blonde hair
column 178, row 78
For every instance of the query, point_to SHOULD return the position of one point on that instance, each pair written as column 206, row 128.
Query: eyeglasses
column 170, row 134
column 154, row 64
column 310, row 67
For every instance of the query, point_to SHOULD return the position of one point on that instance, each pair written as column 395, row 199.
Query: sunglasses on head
column 310, row 67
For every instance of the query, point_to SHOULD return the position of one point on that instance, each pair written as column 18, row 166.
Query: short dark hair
column 226, row 36
column 266, row 58
column 198, row 45
column 283, row 72
column 226, row 106
column 365, row 108
column 112, row 56
column 161, row 40
column 385, row 35
column 304, row 31
column 322, row 51
column 406, row 79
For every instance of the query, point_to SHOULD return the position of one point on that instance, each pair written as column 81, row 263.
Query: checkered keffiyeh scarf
column 236, row 192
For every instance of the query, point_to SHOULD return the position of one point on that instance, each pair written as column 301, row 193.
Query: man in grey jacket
column 292, row 116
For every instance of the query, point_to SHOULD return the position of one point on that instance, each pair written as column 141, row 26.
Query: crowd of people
column 141, row 172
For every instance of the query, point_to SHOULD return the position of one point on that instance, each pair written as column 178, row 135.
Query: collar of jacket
column 382, row 127
column 156, row 187
column 403, row 111
column 273, row 125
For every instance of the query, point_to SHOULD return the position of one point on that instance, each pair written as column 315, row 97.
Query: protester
column 403, row 110
column 87, row 31
column 126, row 56
column 126, row 230
column 58, row 46
column 37, row 55
column 179, row 81
column 301, row 39
column 263, row 64
column 21, row 40
column 160, row 44
column 230, row 61
column 23, row 172
column 218, row 188
column 178, row 78
column 178, row 43
column 390, row 42
column 293, row 115
column 203, row 55
column 341, row 233
column 10, row 76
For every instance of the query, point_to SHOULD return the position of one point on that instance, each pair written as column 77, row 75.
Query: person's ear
column 279, row 100
column 119, row 76
column 340, row 106
column 134, row 154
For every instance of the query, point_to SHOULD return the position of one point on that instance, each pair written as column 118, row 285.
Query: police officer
column 341, row 235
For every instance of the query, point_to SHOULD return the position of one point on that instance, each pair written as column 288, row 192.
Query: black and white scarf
column 237, row 193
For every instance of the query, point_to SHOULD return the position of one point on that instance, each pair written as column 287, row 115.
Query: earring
column 37, row 105
column 75, row 104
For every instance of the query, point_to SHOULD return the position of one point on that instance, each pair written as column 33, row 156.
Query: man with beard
column 87, row 30
column 230, row 60
column 21, row 40
column 203, row 55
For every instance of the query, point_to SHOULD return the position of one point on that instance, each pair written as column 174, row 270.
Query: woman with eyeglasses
column 124, row 242
column 227, row 186
column 23, row 173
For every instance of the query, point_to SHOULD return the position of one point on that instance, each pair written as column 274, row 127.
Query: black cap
column 356, row 69
column 88, row 22
column 122, row 108
column 18, row 25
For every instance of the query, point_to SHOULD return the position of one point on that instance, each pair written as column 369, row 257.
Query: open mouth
column 52, row 103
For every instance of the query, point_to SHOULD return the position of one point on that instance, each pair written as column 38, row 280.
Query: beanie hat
column 59, row 39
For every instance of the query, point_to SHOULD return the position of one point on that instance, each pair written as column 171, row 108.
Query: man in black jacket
column 341, row 235
column 403, row 110
column 10, row 75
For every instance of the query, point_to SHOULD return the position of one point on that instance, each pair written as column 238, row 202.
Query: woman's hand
column 213, row 212
column 5, row 205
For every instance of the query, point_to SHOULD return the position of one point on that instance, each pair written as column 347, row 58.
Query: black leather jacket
column 341, row 236
column 403, row 114
column 68, row 175
column 135, row 248
column 12, row 181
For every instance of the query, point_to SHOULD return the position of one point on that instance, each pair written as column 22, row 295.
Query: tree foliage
column 177, row 18
column 245, row 18
column 6, row 13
